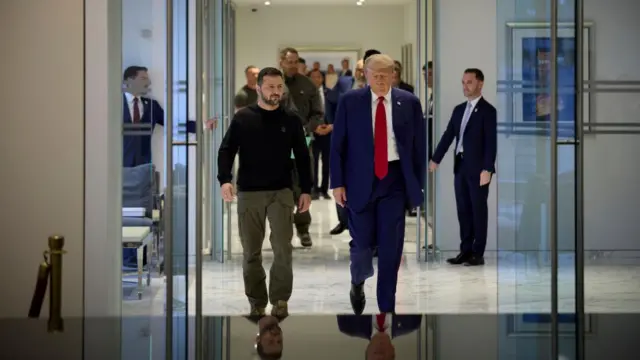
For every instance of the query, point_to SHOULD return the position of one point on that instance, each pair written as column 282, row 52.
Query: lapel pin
column 283, row 129
column 398, row 103
column 475, row 110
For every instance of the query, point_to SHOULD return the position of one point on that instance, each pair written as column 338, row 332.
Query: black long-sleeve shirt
column 264, row 140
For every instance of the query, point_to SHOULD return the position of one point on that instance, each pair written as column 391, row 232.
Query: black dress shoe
column 358, row 299
column 474, row 261
column 375, row 252
column 305, row 239
column 459, row 260
column 339, row 229
column 326, row 196
column 315, row 196
column 412, row 213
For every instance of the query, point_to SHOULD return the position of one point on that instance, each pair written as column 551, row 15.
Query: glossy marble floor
column 509, row 283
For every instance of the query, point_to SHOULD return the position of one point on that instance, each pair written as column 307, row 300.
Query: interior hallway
column 508, row 283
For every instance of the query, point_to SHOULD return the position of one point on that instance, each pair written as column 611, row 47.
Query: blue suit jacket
column 362, row 325
column 352, row 145
column 479, row 141
column 344, row 84
column 136, row 149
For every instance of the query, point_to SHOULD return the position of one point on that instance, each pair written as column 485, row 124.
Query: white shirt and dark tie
column 133, row 102
column 468, row 111
column 392, row 151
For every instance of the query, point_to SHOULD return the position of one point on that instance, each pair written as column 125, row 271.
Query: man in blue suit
column 473, row 125
column 379, row 330
column 378, row 164
column 140, row 115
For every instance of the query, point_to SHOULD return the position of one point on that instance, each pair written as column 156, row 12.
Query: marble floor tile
column 508, row 283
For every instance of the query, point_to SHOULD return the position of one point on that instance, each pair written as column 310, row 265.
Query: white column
column 462, row 41
column 103, row 178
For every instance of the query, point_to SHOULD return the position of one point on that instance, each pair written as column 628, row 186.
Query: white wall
column 259, row 35
column 43, row 183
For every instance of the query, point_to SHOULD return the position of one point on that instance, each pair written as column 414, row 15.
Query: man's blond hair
column 380, row 62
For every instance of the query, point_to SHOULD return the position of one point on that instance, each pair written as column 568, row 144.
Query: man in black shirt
column 264, row 136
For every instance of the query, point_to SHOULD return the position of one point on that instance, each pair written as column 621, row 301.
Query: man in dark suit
column 397, row 78
column 473, row 125
column 140, row 115
column 344, row 84
column 378, row 162
column 379, row 330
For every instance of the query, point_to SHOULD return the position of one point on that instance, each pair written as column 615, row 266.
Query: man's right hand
column 322, row 130
column 227, row 191
column 340, row 196
column 432, row 166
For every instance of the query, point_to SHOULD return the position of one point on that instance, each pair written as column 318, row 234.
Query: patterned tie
column 465, row 120
column 380, row 322
column 380, row 156
column 136, row 111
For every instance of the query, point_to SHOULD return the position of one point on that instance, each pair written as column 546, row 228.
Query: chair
column 140, row 189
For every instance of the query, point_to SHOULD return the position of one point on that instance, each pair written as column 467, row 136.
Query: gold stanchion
column 50, row 271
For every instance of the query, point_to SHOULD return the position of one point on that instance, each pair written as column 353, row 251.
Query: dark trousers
column 471, row 203
column 343, row 215
column 321, row 146
column 381, row 223
column 254, row 208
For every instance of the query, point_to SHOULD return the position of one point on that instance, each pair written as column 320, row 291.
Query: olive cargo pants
column 254, row 208
column 301, row 220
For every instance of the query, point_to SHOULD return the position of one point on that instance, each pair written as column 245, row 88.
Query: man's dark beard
column 272, row 102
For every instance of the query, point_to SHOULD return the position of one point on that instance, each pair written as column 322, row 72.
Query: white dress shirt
column 130, row 99
column 387, row 325
column 392, row 150
column 463, row 124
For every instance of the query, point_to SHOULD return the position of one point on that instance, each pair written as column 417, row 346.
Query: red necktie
column 380, row 320
column 380, row 156
column 136, row 111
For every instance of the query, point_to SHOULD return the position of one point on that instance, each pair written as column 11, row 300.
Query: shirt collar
column 374, row 97
column 130, row 97
column 474, row 102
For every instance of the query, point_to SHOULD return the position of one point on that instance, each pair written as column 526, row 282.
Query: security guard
column 302, row 97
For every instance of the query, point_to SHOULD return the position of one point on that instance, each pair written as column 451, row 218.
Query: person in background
column 138, row 108
column 264, row 135
column 473, row 126
column 397, row 78
column 302, row 67
column 301, row 96
column 377, row 176
column 359, row 80
column 248, row 95
column 320, row 144
column 315, row 66
column 345, row 71
column 331, row 77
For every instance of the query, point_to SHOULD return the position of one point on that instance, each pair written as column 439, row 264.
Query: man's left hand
column 211, row 124
column 485, row 178
column 304, row 203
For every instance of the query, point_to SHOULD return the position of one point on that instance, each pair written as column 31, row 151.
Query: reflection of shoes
column 305, row 239
column 256, row 313
column 280, row 309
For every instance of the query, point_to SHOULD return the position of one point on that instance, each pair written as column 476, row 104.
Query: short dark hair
column 268, row 71
column 249, row 68
column 132, row 71
column 263, row 356
column 369, row 53
column 302, row 61
column 317, row 71
column 429, row 65
column 477, row 72
column 287, row 50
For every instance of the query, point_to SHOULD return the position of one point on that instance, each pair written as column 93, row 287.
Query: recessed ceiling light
column 359, row 3
column 267, row 3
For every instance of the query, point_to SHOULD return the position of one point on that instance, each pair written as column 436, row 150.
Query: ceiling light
column 267, row 3
column 359, row 3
